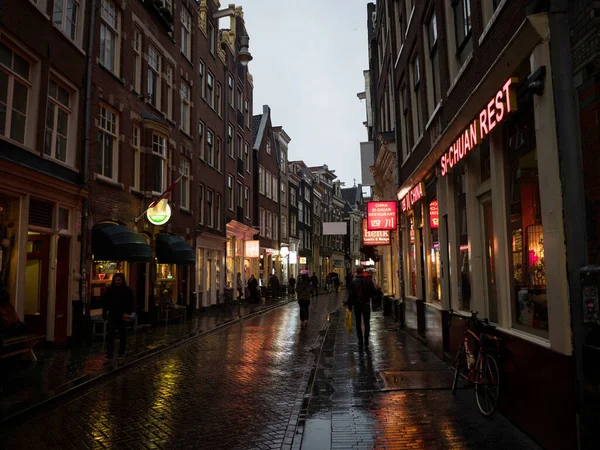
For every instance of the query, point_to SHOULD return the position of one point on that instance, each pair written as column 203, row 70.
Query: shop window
column 412, row 258
column 464, row 263
column 165, row 272
column 527, row 265
column 490, row 267
column 102, row 275
column 434, row 253
column 63, row 219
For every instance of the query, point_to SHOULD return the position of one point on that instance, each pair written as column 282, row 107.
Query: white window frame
column 275, row 227
column 230, row 192
column 201, row 203
column 261, row 180
column 184, row 169
column 108, row 125
column 170, row 90
column 136, row 43
column 247, row 156
column 57, row 106
column 186, row 107
column 268, row 146
column 247, row 201
column 416, row 97
column 431, row 38
column 262, row 221
column 60, row 19
column 267, row 184
column 154, row 72
column 202, row 136
column 202, row 74
column 210, row 89
column 186, row 33
column 230, row 141
column 110, row 24
column 219, row 100
column 159, row 151
column 247, row 113
column 211, row 38
column 275, row 189
column 293, row 224
column 240, row 100
column 230, row 91
column 210, row 149
column 137, row 151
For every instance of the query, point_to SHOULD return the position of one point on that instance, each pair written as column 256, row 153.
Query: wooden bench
column 19, row 344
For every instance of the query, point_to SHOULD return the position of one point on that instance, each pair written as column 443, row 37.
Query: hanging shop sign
column 413, row 196
column 284, row 252
column 293, row 257
column 303, row 260
column 374, row 238
column 160, row 213
column 434, row 215
column 381, row 216
column 497, row 109
column 252, row 249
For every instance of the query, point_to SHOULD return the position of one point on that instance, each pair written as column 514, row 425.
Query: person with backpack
column 362, row 290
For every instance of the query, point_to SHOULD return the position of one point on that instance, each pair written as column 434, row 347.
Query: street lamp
column 244, row 56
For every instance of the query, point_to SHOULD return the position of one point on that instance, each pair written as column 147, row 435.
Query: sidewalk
column 28, row 384
column 396, row 395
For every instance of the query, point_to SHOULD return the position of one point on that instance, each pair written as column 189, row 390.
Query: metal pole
column 571, row 170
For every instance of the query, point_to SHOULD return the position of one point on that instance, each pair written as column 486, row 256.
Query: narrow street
column 244, row 386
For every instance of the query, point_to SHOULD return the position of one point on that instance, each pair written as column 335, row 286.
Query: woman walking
column 303, row 289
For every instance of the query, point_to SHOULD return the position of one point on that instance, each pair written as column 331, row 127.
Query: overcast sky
column 309, row 57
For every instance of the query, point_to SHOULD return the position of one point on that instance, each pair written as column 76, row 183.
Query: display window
column 102, row 275
column 433, row 257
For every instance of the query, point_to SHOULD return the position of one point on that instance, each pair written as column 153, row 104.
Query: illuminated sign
column 303, row 260
column 160, row 213
column 293, row 257
column 413, row 196
column 434, row 215
column 252, row 249
column 381, row 216
column 284, row 252
column 374, row 238
column 496, row 111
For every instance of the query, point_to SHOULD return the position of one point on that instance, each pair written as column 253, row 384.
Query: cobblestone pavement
column 395, row 395
column 239, row 387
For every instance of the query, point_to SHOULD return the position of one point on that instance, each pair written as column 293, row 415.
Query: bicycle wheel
column 458, row 361
column 487, row 389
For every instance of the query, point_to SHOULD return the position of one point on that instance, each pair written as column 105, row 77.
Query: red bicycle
column 481, row 368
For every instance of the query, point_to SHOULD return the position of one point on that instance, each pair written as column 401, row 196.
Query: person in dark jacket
column 274, row 285
column 304, row 290
column 292, row 284
column 117, row 307
column 253, row 288
column 360, row 302
column 314, row 281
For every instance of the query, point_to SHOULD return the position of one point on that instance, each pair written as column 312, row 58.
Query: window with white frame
column 218, row 154
column 282, row 161
column 15, row 84
column 66, row 17
column 201, row 72
column 240, row 147
column 202, row 140
column 170, row 90
column 268, row 226
column 417, row 116
column 462, row 29
column 218, row 212
column 283, row 195
column 211, row 38
column 136, row 157
column 230, row 142
column 292, row 196
column 210, row 150
column 399, row 15
column 268, row 146
column 186, row 107
column 274, row 185
column 268, row 184
column 262, row 221
column 301, row 211
column 240, row 198
column 110, row 40
column 247, row 113
column 293, row 221
column 136, row 43
column 210, row 88
column 58, row 115
column 247, row 156
column 433, row 69
column 219, row 100
column 230, row 191
column 230, row 90
column 240, row 101
column 186, row 33
column 201, row 203
column 159, row 163
column 261, row 180
column 108, row 143
column 154, row 71
column 210, row 206
column 184, row 170
column 284, row 227
column 247, row 201
column 275, row 226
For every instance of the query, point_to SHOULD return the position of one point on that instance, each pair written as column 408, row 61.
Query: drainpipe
column 85, row 157
column 571, row 170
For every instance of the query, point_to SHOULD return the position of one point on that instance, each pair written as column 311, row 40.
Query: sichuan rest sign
column 381, row 216
column 374, row 238
column 498, row 108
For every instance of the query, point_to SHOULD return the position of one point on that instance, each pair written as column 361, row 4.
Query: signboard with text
column 374, row 238
column 252, row 249
column 381, row 216
column 413, row 196
column 434, row 215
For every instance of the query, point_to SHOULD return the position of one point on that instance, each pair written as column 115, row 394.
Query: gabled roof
column 259, row 126
column 255, row 126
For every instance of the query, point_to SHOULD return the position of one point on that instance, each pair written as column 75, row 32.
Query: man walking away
column 253, row 288
column 303, row 290
column 117, row 306
column 292, row 284
column 314, row 281
column 360, row 296
column 274, row 285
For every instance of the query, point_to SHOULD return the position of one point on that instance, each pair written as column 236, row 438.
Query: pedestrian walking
column 336, row 282
column 117, row 307
column 328, row 282
column 253, row 288
column 292, row 284
column 314, row 281
column 304, row 291
column 362, row 291
column 274, row 285
column 240, row 286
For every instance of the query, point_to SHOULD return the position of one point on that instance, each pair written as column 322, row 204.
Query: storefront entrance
column 36, row 283
column 62, row 289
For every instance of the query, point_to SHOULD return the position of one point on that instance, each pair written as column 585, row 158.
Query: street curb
column 91, row 380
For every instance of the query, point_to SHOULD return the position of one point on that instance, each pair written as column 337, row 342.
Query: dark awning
column 174, row 250
column 113, row 242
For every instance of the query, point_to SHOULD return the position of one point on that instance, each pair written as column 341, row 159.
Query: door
column 487, row 223
column 36, row 283
column 63, row 252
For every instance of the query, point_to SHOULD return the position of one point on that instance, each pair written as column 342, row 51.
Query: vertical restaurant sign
column 413, row 196
column 374, row 238
column 497, row 109
column 381, row 216
column 434, row 215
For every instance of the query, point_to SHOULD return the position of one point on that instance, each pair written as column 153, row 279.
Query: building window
column 284, row 227
column 240, row 102
column 416, row 97
column 65, row 16
column 108, row 134
column 211, row 38
column 230, row 191
column 159, row 163
column 283, row 194
column 274, row 185
column 268, row 184
column 301, row 211
column 154, row 63
column 137, row 160
column 186, row 33
column 230, row 90
column 186, row 108
column 170, row 90
column 137, row 60
column 247, row 201
column 268, row 225
column 239, row 195
column 268, row 146
column 202, row 142
column 282, row 162
column 292, row 196
column 230, row 142
column 201, row 69
column 184, row 170
column 218, row 212
column 211, row 208
column 434, row 63
column 293, row 221
column 261, row 180
column 275, row 226
column 110, row 41
column 14, row 94
column 247, row 113
column 210, row 87
column 201, row 203
column 218, row 99
column 210, row 153
column 247, row 156
column 218, row 154
column 462, row 28
column 261, row 214
column 399, row 21
column 58, row 114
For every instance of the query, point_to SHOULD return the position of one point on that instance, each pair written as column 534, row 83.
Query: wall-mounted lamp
column 244, row 56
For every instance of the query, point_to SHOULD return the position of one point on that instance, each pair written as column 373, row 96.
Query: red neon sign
column 434, row 215
column 381, row 216
column 413, row 196
column 495, row 112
